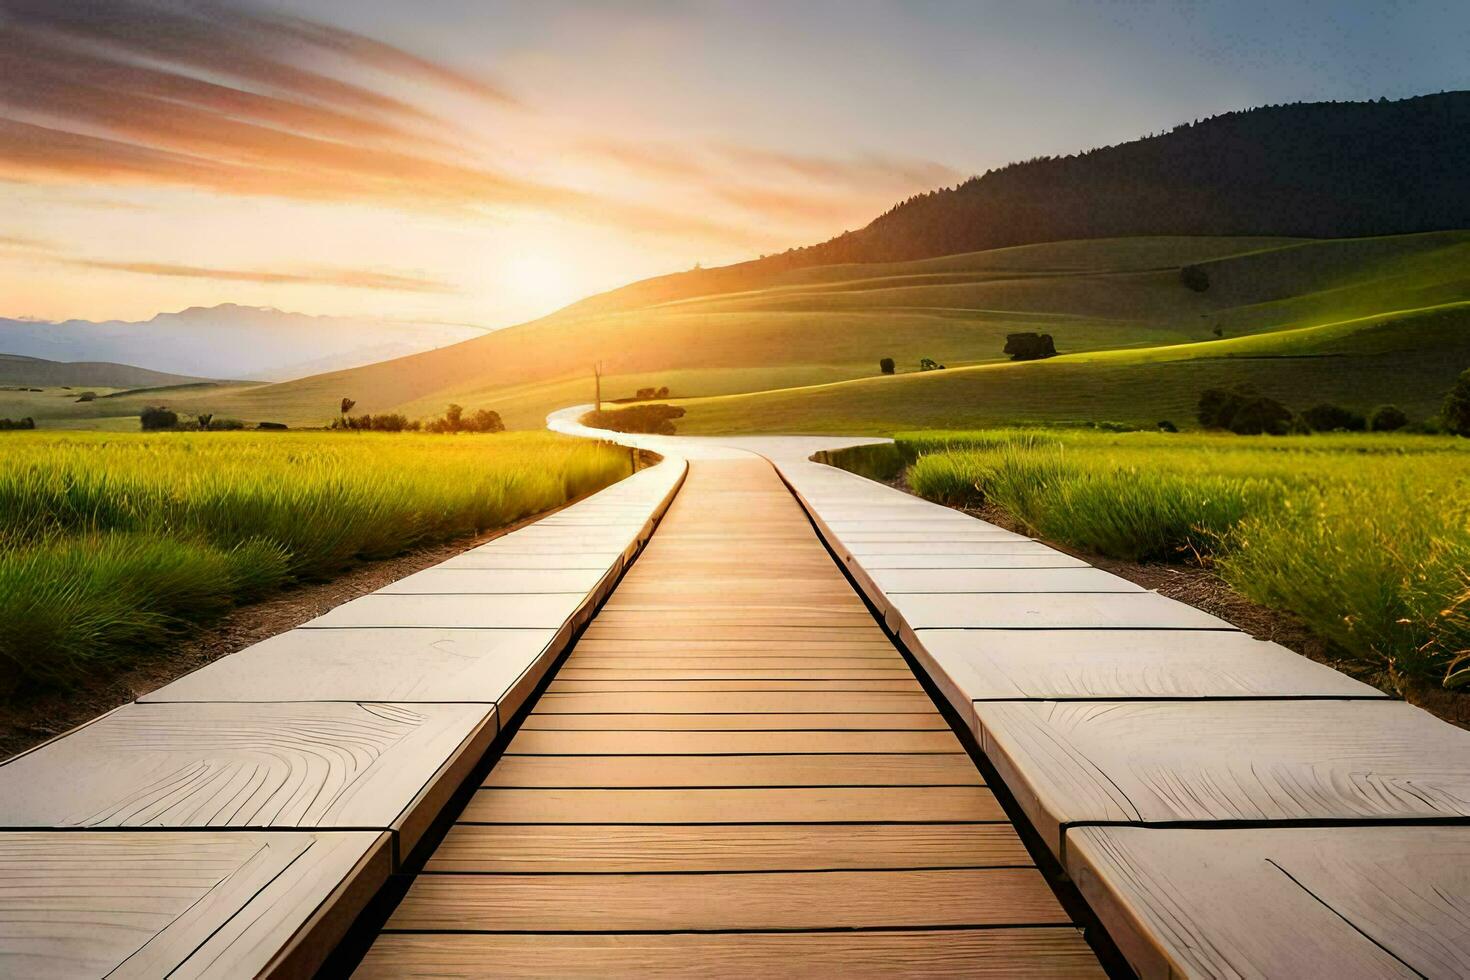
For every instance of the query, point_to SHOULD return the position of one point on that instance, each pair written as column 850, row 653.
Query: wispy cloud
column 348, row 278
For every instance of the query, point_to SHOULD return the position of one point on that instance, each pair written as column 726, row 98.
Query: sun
column 537, row 281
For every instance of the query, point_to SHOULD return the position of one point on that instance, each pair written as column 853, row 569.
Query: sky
column 480, row 162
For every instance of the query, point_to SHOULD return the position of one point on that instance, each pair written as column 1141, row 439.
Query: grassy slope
column 780, row 333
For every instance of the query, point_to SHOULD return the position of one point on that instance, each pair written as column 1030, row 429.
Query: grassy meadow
column 110, row 543
column 1364, row 537
column 1354, row 321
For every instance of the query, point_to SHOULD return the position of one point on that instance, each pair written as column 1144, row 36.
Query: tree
column 1030, row 346
column 886, row 365
column 1195, row 277
column 1456, row 410
column 1333, row 418
column 1388, row 418
column 929, row 364
column 347, row 406
column 1242, row 411
column 154, row 417
column 1167, row 426
column 87, row 396
column 204, row 419
column 1219, row 331
column 453, row 418
column 485, row 420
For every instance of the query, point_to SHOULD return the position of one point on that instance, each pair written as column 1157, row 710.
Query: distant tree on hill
column 87, row 396
column 1166, row 426
column 1333, row 418
column 204, row 419
column 1456, row 410
column 25, row 423
column 652, row 419
column 885, row 365
column 1388, row 418
column 1030, row 346
column 346, row 406
column 484, row 420
column 1242, row 411
column 1195, row 277
column 929, row 364
column 1219, row 331
column 155, row 417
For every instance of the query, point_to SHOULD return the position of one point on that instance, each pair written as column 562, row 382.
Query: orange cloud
column 349, row 278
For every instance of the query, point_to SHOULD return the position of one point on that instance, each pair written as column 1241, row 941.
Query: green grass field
column 1365, row 537
column 1356, row 321
column 110, row 543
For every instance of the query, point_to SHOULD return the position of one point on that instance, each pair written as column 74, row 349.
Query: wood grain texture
column 369, row 665
column 1159, row 761
column 740, row 702
column 837, row 685
column 532, row 742
column 961, row 580
column 870, row 804
column 758, row 721
column 992, row 665
column 592, row 848
column 813, row 900
column 731, row 668
column 1048, row 610
column 981, row 954
column 215, row 904
column 454, row 611
column 1322, row 901
column 344, row 765
column 740, row 770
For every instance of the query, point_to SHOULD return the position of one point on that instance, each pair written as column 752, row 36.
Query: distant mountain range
column 229, row 341
column 35, row 371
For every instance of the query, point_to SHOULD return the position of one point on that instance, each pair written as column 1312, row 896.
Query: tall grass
column 1366, row 538
column 111, row 542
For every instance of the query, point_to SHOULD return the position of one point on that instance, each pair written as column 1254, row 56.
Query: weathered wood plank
column 871, row 804
column 995, row 665
column 814, row 900
column 1161, row 761
column 602, row 849
column 306, row 765
column 218, row 904
column 533, row 742
column 740, row 770
column 1290, row 902
column 368, row 665
column 981, row 954
column 454, row 611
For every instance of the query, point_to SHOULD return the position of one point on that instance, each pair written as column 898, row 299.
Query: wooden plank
column 603, row 849
column 454, row 611
column 495, row 581
column 534, row 742
column 849, row 805
column 981, row 954
column 304, row 765
column 863, row 549
column 928, row 580
column 684, row 638
column 807, row 646
column 833, row 684
column 480, row 558
column 1162, row 761
column 1049, row 610
column 713, row 702
column 236, row 903
column 1289, row 902
column 1042, row 557
column 368, row 665
column 740, row 770
column 734, row 668
column 1102, row 664
column 760, row 721
column 809, row 900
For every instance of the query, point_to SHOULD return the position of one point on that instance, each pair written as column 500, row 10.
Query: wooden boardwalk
column 733, row 772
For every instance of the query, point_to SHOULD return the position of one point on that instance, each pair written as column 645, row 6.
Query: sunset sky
column 480, row 162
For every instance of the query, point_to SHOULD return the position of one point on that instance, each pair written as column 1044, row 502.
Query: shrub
column 1333, row 418
column 484, row 420
column 204, row 418
column 271, row 426
column 885, row 365
column 11, row 424
column 1388, row 418
column 650, row 419
column 1030, row 346
column 87, row 396
column 1195, row 277
column 1166, row 426
column 1242, row 411
column 156, row 417
column 226, row 425
column 1456, row 410
column 929, row 364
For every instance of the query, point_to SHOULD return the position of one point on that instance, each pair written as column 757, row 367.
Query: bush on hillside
column 930, row 364
column 1243, row 411
column 1030, row 346
column 386, row 422
column 1166, row 426
column 1195, row 277
column 156, row 417
column 226, row 425
column 1388, row 418
column 885, row 365
column 1456, row 411
column 650, row 419
column 87, row 396
column 11, row 424
column 649, row 394
column 1333, row 418
column 454, row 420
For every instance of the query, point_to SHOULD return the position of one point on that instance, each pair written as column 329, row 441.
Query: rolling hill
column 792, row 342
column 38, row 372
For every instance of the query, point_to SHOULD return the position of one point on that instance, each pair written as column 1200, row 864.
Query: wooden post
column 597, row 382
